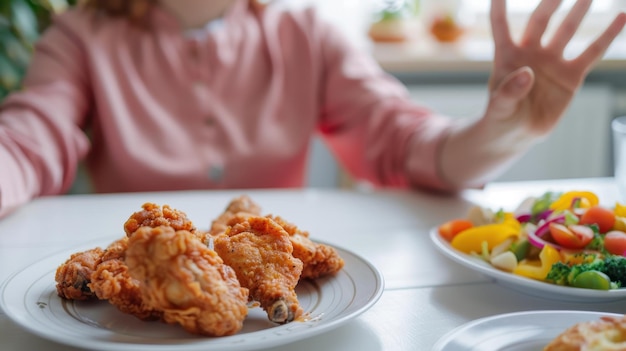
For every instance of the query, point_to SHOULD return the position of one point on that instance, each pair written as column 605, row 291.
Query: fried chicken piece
column 318, row 259
column 243, row 203
column 186, row 280
column 260, row 252
column 74, row 275
column 605, row 334
column 238, row 210
column 111, row 281
column 152, row 215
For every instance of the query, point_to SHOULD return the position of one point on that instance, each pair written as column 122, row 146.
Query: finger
column 570, row 25
column 499, row 24
column 598, row 47
column 513, row 89
column 538, row 22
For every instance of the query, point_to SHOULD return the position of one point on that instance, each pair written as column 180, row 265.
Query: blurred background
column 441, row 50
column 21, row 22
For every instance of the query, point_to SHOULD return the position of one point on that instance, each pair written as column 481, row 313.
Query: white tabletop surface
column 426, row 295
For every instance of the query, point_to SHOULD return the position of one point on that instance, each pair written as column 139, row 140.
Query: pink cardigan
column 156, row 110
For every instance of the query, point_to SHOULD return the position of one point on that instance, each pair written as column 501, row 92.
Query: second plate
column 520, row 331
column 523, row 284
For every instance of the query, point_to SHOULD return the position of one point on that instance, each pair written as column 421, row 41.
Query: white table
column 426, row 295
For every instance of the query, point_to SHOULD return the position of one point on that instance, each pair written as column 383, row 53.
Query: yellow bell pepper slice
column 471, row 240
column 587, row 199
column 620, row 223
column 538, row 270
column 509, row 219
column 620, row 210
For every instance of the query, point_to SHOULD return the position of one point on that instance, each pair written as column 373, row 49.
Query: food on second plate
column 604, row 334
column 166, row 269
column 567, row 239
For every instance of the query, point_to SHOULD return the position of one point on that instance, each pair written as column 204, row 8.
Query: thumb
column 510, row 92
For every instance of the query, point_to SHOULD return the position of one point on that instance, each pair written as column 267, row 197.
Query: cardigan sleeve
column 370, row 122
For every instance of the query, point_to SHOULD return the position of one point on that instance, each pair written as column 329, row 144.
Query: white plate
column 29, row 298
column 523, row 284
column 521, row 331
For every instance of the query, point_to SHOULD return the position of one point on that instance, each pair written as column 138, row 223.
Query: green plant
column 21, row 23
column 397, row 9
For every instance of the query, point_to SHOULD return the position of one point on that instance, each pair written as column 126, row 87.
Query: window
column 598, row 17
column 524, row 7
column 600, row 13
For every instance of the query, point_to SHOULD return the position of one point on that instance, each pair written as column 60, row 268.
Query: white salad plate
column 520, row 331
column 523, row 284
column 30, row 299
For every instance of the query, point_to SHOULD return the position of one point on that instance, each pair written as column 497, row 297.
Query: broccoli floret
column 558, row 273
column 597, row 243
column 565, row 273
column 615, row 268
column 595, row 265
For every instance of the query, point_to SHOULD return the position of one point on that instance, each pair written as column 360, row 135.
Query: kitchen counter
column 469, row 59
column 471, row 54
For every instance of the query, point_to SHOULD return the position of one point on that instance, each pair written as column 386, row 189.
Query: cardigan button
column 209, row 121
column 216, row 173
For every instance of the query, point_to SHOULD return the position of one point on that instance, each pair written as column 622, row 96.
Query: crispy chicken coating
column 165, row 269
column 102, row 274
column 318, row 259
column 605, row 334
column 111, row 281
column 186, row 280
column 237, row 211
column 152, row 215
column 260, row 252
column 243, row 203
column 74, row 275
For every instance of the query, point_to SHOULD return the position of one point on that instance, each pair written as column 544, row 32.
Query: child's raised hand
column 532, row 83
column 531, row 86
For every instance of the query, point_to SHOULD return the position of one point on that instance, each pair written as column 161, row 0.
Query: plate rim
column 522, row 284
column 25, row 321
column 448, row 337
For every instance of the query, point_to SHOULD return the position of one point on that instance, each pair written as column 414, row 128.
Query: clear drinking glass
column 618, row 126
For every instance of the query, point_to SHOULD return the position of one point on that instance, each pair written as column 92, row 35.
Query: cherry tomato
column 574, row 236
column 603, row 217
column 451, row 228
column 615, row 242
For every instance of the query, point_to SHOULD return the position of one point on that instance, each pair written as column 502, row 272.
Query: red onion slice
column 544, row 227
column 535, row 237
column 524, row 218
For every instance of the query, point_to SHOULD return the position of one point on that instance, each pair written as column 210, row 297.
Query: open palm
column 551, row 79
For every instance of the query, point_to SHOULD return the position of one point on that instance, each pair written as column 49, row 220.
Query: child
column 196, row 94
